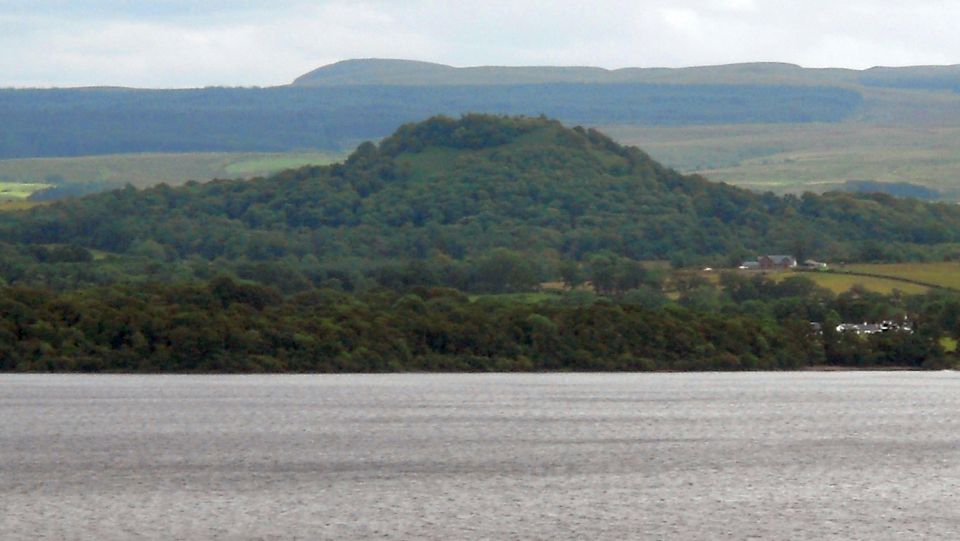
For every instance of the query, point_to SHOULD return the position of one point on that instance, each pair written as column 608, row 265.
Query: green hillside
column 86, row 174
column 811, row 157
column 465, row 197
column 420, row 253
column 760, row 125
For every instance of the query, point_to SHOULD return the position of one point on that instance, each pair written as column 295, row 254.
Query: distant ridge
column 378, row 71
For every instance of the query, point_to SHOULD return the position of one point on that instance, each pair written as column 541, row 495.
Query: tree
column 571, row 274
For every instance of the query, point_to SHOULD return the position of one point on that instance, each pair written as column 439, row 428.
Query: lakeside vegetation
column 225, row 325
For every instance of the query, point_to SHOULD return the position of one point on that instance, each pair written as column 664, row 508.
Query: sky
column 180, row 43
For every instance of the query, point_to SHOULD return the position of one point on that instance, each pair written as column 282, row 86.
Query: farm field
column 18, row 191
column 841, row 283
column 18, row 204
column 836, row 282
column 793, row 158
column 21, row 177
column 946, row 274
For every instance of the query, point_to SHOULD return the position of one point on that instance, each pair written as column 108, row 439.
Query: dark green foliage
column 227, row 326
column 898, row 189
column 481, row 203
column 105, row 121
column 358, row 266
column 67, row 190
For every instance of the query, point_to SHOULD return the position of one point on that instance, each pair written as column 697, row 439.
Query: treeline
column 896, row 189
column 226, row 325
column 76, row 122
column 68, row 190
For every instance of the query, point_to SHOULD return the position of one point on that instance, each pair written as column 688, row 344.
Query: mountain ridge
column 381, row 71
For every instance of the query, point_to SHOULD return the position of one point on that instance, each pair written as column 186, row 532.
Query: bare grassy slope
column 792, row 158
column 20, row 178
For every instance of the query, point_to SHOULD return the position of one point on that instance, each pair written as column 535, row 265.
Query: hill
column 351, row 266
column 766, row 126
column 378, row 71
column 467, row 198
column 44, row 179
column 78, row 122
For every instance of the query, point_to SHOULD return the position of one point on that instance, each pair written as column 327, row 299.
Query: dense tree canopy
column 460, row 196
column 745, row 323
column 363, row 265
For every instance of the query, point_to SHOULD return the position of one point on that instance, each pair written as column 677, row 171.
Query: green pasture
column 841, row 283
column 793, row 158
column 18, row 191
column 21, row 177
column 945, row 274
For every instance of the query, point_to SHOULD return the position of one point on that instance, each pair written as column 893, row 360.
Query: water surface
column 580, row 456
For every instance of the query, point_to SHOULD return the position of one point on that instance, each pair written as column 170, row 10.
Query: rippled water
column 662, row 456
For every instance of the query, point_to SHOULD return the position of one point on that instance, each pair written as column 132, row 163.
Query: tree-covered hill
column 481, row 202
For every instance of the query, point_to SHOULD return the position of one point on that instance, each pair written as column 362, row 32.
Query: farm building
column 770, row 262
column 777, row 261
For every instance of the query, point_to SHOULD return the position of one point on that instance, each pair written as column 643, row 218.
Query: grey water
column 854, row 455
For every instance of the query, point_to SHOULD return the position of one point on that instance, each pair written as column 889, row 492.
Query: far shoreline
column 807, row 369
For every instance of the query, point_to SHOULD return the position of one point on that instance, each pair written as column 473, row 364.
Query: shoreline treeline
column 228, row 326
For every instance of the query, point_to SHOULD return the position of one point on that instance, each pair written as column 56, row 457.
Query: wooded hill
column 481, row 203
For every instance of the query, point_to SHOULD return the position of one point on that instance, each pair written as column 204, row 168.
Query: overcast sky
column 180, row 43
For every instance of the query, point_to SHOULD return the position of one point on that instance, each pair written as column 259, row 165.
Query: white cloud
column 684, row 21
column 735, row 5
column 247, row 42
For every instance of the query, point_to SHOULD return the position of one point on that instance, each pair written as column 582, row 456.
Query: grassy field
column 19, row 178
column 841, row 283
column 792, row 158
column 783, row 158
column 946, row 274
column 252, row 165
column 837, row 282
column 18, row 205
column 18, row 191
column 943, row 274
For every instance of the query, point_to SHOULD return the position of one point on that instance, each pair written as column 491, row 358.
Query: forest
column 452, row 197
column 87, row 121
column 227, row 326
column 405, row 256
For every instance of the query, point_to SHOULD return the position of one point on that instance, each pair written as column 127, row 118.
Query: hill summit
column 470, row 191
